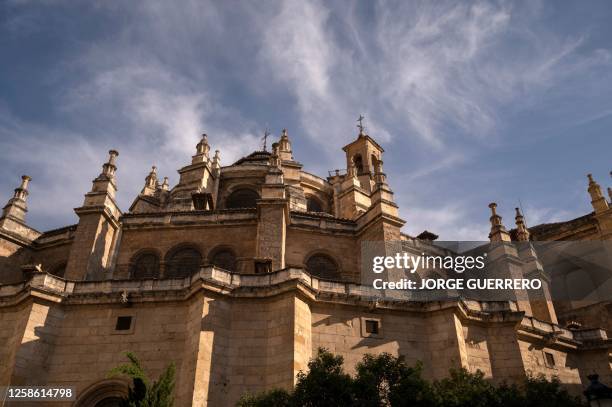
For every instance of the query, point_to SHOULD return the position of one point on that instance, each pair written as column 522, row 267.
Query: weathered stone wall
column 13, row 322
column 477, row 349
column 535, row 362
column 340, row 329
column 87, row 346
column 12, row 257
column 90, row 251
column 225, row 345
column 589, row 315
column 240, row 238
column 271, row 233
column 342, row 248
column 52, row 257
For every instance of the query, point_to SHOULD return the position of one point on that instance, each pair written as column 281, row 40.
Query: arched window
column 183, row 262
column 225, row 259
column 358, row 164
column 321, row 265
column 111, row 401
column 313, row 204
column 107, row 393
column 145, row 265
column 59, row 270
column 242, row 198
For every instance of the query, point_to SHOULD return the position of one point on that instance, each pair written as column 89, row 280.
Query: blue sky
column 473, row 101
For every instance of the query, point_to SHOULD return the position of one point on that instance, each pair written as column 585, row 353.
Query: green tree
column 143, row 393
column 325, row 384
column 272, row 398
column 387, row 380
column 464, row 389
column 542, row 392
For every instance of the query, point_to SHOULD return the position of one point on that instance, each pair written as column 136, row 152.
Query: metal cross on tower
column 360, row 126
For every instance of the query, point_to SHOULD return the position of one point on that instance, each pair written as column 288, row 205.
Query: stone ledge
column 221, row 282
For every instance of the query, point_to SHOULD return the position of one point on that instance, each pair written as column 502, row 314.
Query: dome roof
column 255, row 158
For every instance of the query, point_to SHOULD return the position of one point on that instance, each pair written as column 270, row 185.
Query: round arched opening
column 224, row 258
column 107, row 393
column 242, row 198
column 322, row 265
column 358, row 163
column 313, row 204
column 144, row 266
column 183, row 262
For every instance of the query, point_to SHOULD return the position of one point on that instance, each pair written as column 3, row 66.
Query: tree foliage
column 143, row 393
column 386, row 380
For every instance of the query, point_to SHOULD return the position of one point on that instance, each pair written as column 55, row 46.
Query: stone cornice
column 218, row 282
column 15, row 238
column 189, row 218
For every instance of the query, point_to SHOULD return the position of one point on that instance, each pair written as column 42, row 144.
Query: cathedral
column 239, row 273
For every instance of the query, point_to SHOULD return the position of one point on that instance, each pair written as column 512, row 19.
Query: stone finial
column 25, row 180
column 21, row 193
column 522, row 233
column 378, row 167
column 498, row 230
column 165, row 186
column 274, row 158
column 112, row 156
column 151, row 183
column 216, row 163
column 16, row 207
column 493, row 207
column 597, row 199
column 284, row 144
column 202, row 147
column 109, row 168
column 379, row 176
column 351, row 171
column 151, row 179
column 284, row 147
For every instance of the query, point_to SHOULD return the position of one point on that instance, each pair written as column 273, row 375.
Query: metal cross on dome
column 265, row 139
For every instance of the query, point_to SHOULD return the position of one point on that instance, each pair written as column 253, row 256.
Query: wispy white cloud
column 435, row 76
column 450, row 221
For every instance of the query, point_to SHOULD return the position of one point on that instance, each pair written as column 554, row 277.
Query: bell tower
column 364, row 155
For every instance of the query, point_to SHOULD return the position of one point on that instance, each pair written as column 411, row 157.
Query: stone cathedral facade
column 238, row 273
